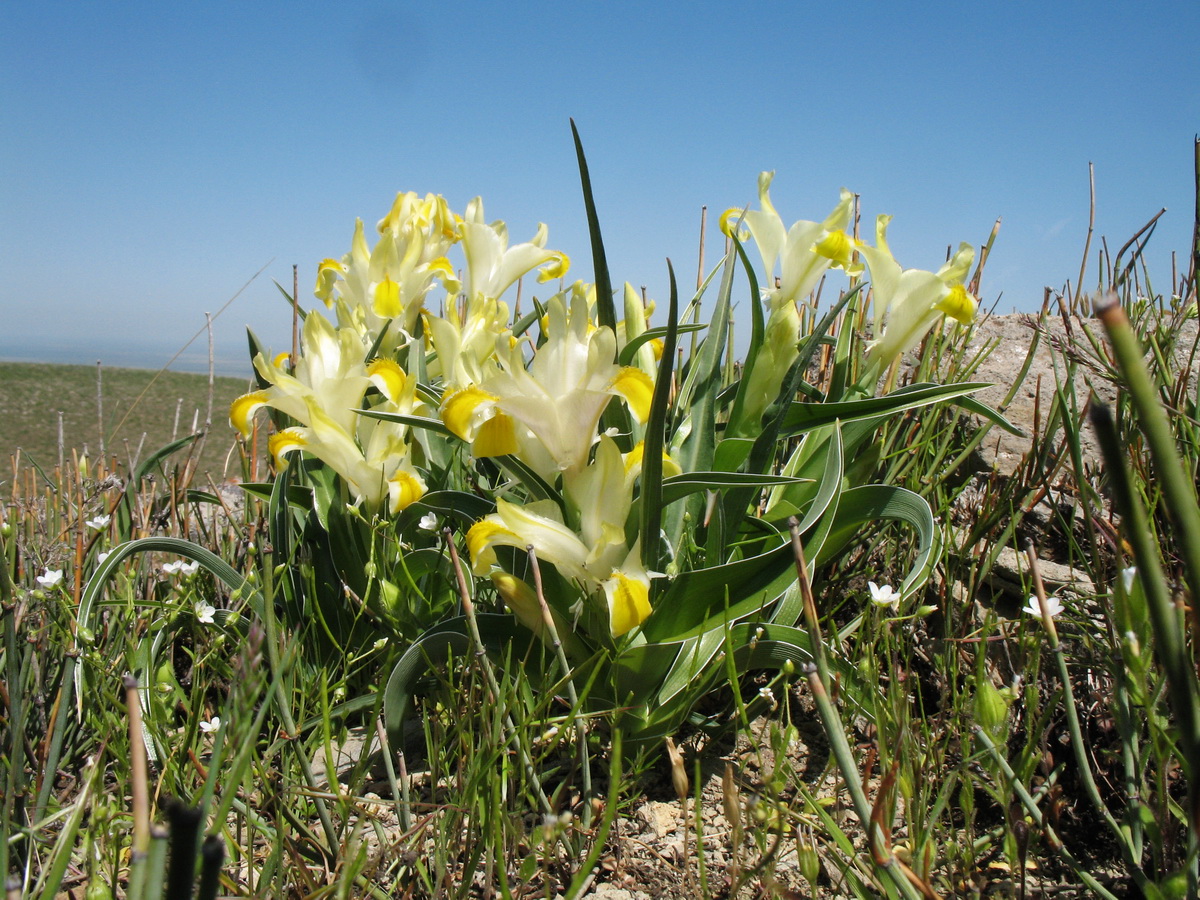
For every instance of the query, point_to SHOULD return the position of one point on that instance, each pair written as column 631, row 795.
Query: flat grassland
column 139, row 408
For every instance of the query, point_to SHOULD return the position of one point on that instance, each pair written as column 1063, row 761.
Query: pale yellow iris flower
column 324, row 396
column 548, row 413
column 803, row 253
column 372, row 287
column 597, row 558
column 908, row 302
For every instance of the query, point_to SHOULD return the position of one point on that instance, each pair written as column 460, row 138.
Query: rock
column 608, row 892
column 660, row 818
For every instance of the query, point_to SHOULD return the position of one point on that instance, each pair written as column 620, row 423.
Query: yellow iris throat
column 637, row 389
column 284, row 442
column 728, row 219
column 556, row 268
column 388, row 377
column 959, row 305
column 387, row 299
column 242, row 410
column 836, row 246
column 404, row 489
column 479, row 543
column 628, row 603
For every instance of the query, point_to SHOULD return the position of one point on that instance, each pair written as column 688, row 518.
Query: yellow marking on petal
column 728, row 218
column 387, row 375
column 628, row 603
column 327, row 275
column 670, row 467
column 284, row 442
column 242, row 410
column 637, row 389
column 556, row 268
column 458, row 409
column 405, row 488
column 479, row 542
column 657, row 346
column 836, row 246
column 387, row 299
column 635, row 457
column 495, row 437
column 958, row 304
column 282, row 360
column 444, row 270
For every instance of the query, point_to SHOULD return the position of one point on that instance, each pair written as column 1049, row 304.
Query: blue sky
column 157, row 155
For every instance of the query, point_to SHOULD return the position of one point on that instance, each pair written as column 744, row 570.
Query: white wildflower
column 1127, row 577
column 204, row 613
column 1033, row 607
column 428, row 522
column 99, row 523
column 50, row 577
column 884, row 596
column 211, row 726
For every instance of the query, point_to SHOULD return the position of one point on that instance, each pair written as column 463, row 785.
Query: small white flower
column 428, row 522
column 1127, row 577
column 204, row 613
column 101, row 557
column 180, row 567
column 50, row 578
column 1034, row 608
column 884, row 596
column 767, row 694
column 99, row 523
column 211, row 726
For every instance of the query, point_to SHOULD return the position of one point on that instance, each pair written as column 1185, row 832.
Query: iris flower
column 389, row 283
column 908, row 302
column 547, row 414
column 324, row 396
column 596, row 557
column 493, row 266
column 803, row 254
column 804, row 251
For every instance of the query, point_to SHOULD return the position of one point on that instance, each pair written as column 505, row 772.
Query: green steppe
column 134, row 402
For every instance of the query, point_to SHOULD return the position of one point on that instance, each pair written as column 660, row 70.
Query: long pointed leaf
column 652, row 500
column 605, row 310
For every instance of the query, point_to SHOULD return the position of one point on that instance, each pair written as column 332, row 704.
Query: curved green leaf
column 426, row 422
column 694, row 597
column 679, row 486
column 625, row 357
column 94, row 589
column 431, row 650
column 605, row 311
column 803, row 417
column 870, row 503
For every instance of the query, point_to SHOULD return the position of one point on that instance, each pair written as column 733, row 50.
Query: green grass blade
column 652, row 498
column 605, row 311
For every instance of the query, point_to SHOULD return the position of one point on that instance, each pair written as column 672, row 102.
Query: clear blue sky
column 156, row 155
